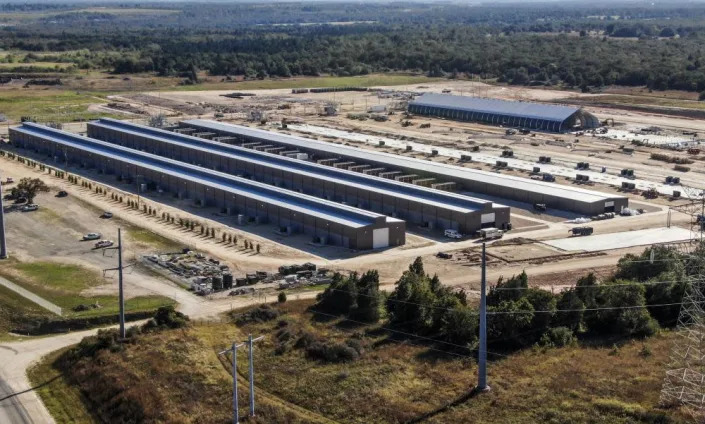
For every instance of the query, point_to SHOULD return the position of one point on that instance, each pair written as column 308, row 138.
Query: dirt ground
column 277, row 250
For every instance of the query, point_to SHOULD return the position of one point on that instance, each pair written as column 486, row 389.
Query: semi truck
column 581, row 231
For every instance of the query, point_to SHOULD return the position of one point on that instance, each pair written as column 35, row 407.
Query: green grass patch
column 53, row 105
column 14, row 309
column 151, row 239
column 63, row 284
column 8, row 67
column 312, row 82
column 64, row 402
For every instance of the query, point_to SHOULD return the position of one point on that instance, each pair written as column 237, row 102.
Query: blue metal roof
column 324, row 209
column 452, row 172
column 496, row 107
column 419, row 194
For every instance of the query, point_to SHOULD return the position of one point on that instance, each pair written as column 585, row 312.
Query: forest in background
column 567, row 44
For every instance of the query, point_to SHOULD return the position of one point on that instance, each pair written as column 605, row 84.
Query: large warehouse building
column 556, row 196
column 415, row 204
column 514, row 114
column 292, row 212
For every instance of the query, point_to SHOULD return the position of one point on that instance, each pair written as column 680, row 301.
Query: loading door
column 380, row 238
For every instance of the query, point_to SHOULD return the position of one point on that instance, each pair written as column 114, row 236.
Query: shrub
column 331, row 352
column 557, row 337
column 262, row 313
column 167, row 317
column 281, row 298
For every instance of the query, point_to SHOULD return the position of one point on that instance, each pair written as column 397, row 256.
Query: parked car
column 62, row 193
column 9, row 180
column 540, row 207
column 92, row 236
column 107, row 215
column 452, row 234
column 444, row 255
column 103, row 243
column 30, row 207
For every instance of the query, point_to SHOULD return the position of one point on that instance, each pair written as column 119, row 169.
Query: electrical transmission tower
column 684, row 384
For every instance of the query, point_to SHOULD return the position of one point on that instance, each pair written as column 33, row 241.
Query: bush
column 281, row 298
column 262, row 313
column 557, row 337
column 331, row 352
column 167, row 317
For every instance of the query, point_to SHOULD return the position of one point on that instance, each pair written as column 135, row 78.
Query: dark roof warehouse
column 537, row 116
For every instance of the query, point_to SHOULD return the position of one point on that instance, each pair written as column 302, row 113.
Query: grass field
column 15, row 308
column 646, row 100
column 62, row 284
column 8, row 67
column 392, row 381
column 49, row 105
column 151, row 239
column 308, row 82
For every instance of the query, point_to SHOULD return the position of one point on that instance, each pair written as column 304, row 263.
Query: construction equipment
column 651, row 193
column 582, row 231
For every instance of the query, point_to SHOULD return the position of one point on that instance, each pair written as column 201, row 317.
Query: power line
column 519, row 288
column 646, row 283
column 606, row 308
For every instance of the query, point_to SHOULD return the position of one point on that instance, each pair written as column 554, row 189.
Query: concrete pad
column 621, row 240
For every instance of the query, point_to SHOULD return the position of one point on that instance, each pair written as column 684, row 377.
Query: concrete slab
column 621, row 240
column 523, row 164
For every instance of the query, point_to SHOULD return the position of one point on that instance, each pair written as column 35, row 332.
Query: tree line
column 636, row 301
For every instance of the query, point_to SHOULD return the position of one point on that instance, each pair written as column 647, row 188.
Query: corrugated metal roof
column 309, row 205
column 496, row 106
column 418, row 194
column 391, row 160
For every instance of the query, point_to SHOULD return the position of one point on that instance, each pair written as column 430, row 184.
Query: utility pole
column 236, row 409
column 3, row 241
column 482, row 352
column 119, row 269
column 250, row 343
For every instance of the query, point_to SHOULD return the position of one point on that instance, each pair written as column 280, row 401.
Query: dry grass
column 176, row 376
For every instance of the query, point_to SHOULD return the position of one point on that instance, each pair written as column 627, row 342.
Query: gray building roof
column 418, row 194
column 392, row 160
column 324, row 209
column 496, row 106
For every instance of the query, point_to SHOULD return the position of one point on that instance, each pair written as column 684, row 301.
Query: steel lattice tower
column 685, row 378
column 684, row 384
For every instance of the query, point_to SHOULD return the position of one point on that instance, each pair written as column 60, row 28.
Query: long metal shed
column 292, row 212
column 415, row 204
column 575, row 199
column 537, row 116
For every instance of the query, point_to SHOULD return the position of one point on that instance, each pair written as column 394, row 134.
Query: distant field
column 308, row 82
column 29, row 16
column 10, row 66
column 647, row 100
column 47, row 105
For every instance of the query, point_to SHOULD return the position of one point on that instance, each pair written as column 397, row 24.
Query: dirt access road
column 19, row 403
